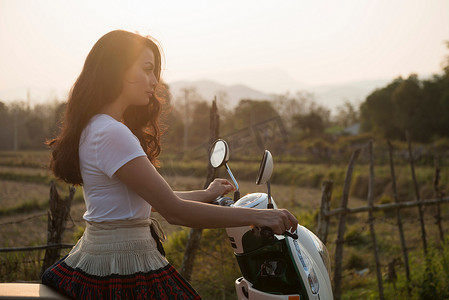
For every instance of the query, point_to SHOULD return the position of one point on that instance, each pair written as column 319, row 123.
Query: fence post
column 438, row 195
column 371, row 219
column 194, row 238
column 418, row 198
column 398, row 213
column 323, row 220
column 57, row 217
column 341, row 227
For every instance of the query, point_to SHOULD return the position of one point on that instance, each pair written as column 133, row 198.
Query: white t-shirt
column 105, row 146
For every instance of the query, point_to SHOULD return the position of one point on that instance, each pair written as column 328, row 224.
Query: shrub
column 356, row 262
column 429, row 276
column 355, row 237
column 78, row 233
column 215, row 268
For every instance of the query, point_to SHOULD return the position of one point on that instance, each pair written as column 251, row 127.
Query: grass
column 25, row 207
column 31, row 159
column 14, row 193
column 359, row 275
column 312, row 175
column 295, row 186
column 15, row 266
column 35, row 178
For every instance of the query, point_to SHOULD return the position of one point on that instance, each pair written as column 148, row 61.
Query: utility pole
column 186, row 118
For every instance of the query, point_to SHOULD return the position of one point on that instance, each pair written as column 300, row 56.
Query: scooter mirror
column 265, row 169
column 219, row 154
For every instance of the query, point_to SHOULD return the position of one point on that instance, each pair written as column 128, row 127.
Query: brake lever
column 292, row 235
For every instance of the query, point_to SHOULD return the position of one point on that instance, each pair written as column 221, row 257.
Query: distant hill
column 330, row 96
column 253, row 84
column 266, row 80
column 334, row 95
column 209, row 89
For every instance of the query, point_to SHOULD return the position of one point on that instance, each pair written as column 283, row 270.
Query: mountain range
column 257, row 84
column 329, row 96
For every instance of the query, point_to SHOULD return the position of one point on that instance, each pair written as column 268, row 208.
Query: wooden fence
column 343, row 212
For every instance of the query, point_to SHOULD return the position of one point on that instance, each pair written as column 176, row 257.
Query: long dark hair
column 100, row 83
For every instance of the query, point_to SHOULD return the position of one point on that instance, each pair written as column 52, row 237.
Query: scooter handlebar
column 223, row 201
column 267, row 232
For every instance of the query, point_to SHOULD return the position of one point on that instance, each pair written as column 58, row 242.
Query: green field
column 24, row 194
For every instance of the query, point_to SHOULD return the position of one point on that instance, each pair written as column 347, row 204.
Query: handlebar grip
column 222, row 201
column 267, row 232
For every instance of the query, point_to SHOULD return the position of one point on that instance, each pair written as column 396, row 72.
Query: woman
column 109, row 143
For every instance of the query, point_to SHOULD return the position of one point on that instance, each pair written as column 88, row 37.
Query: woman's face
column 139, row 81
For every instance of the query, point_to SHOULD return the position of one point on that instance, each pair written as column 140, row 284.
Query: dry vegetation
column 13, row 193
column 27, row 226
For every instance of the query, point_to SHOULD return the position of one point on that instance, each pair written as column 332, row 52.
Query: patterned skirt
column 117, row 261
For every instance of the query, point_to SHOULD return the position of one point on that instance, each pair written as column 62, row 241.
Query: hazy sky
column 43, row 44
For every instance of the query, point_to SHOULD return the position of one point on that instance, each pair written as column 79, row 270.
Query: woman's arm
column 218, row 187
column 141, row 176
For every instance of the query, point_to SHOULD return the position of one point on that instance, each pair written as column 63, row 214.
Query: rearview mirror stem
column 269, row 205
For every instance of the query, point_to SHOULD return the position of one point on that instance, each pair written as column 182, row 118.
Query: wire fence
column 25, row 263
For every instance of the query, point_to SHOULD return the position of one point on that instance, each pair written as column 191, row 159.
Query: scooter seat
column 15, row 291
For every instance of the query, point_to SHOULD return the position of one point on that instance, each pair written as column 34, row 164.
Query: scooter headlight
column 308, row 269
column 324, row 253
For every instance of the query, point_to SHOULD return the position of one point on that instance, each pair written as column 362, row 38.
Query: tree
column 248, row 113
column 311, row 124
column 172, row 125
column 377, row 113
column 184, row 104
column 419, row 107
column 288, row 106
column 436, row 98
column 446, row 62
column 411, row 112
column 7, row 128
column 199, row 128
column 347, row 114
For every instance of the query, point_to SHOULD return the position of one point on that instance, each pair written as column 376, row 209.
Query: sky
column 43, row 44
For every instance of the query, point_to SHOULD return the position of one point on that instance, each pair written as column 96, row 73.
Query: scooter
column 291, row 266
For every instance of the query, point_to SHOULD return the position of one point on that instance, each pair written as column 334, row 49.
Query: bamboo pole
column 371, row 220
column 384, row 207
column 194, row 238
column 398, row 213
column 418, row 198
column 323, row 220
column 438, row 194
column 342, row 225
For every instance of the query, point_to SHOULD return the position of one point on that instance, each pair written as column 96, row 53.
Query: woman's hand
column 219, row 187
column 216, row 188
column 279, row 220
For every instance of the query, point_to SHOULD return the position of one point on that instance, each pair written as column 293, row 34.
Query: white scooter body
column 304, row 251
column 291, row 266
